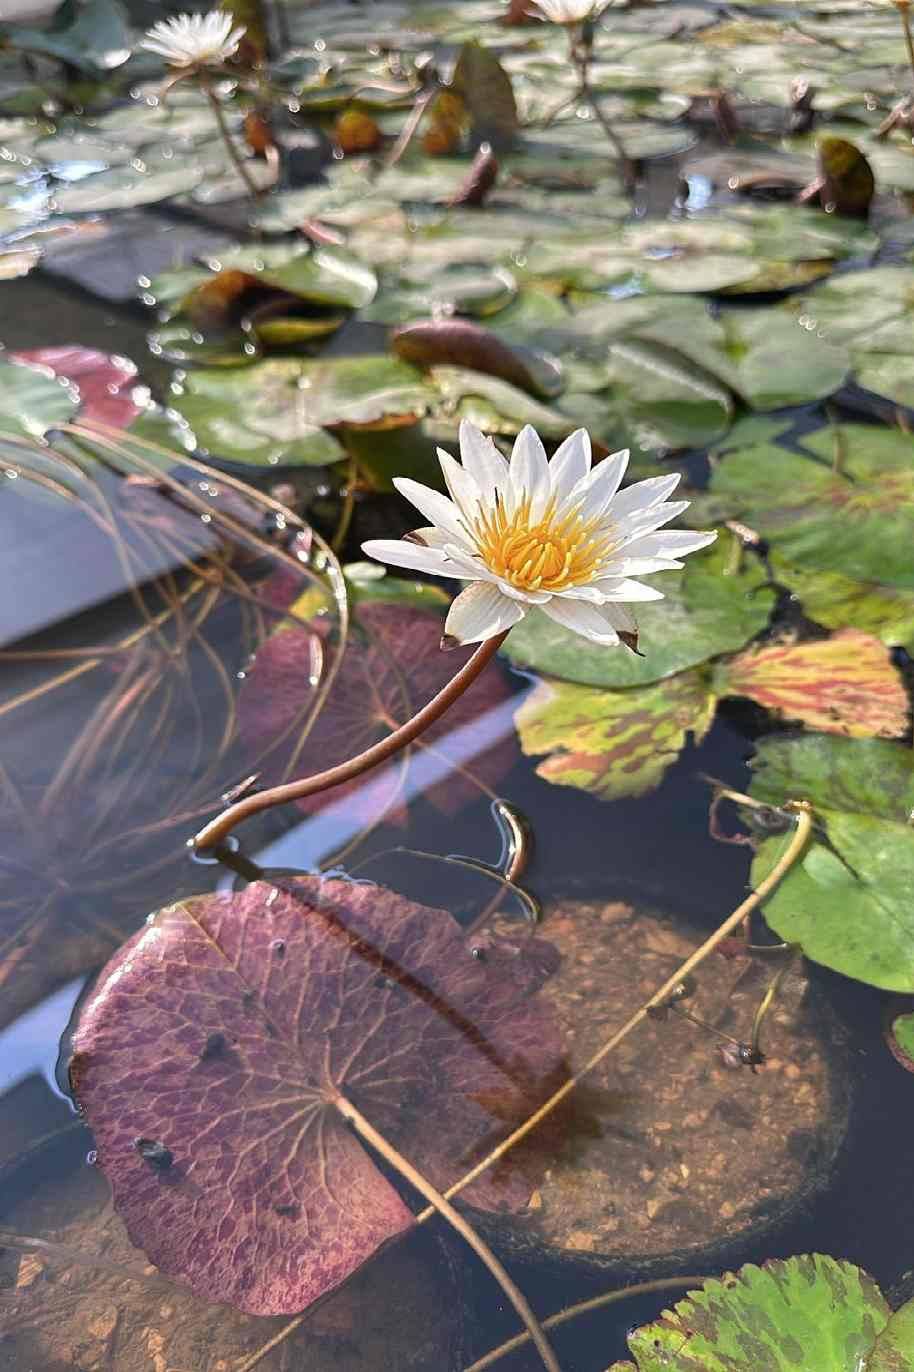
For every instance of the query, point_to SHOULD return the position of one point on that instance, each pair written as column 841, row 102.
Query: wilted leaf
column 278, row 411
column 847, row 902
column 102, row 385
column 391, row 666
column 355, row 131
column 707, row 610
column 613, row 743
column 900, row 1036
column 809, row 1312
column 842, row 504
column 461, row 343
column 847, row 177
column 485, row 88
column 226, row 1030
column 844, row 684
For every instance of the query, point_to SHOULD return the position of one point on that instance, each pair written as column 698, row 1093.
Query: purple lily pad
column 104, row 384
column 219, row 1037
column 391, row 667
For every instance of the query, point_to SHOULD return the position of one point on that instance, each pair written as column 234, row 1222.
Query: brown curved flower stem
column 466, row 1231
column 571, row 1312
column 787, row 859
column 237, row 162
column 217, row 831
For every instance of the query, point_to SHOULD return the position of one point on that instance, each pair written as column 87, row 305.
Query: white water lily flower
column 557, row 534
column 566, row 11
column 194, row 40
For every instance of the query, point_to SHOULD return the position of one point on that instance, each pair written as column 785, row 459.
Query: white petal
column 618, row 568
column 582, row 619
column 630, row 590
column 482, row 460
column 570, row 463
column 643, row 494
column 435, row 506
column 671, row 543
column 647, row 521
column 621, row 619
column 480, row 612
column 529, row 475
column 398, row 553
column 440, row 538
column 526, row 597
column 598, row 490
column 461, row 484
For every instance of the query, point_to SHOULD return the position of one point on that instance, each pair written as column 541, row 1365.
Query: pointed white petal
column 529, row 474
column 643, row 494
column 526, row 597
column 480, row 612
column 630, row 590
column 435, row 506
column 649, row 520
column 582, row 619
column 669, row 543
column 461, row 484
column 570, row 463
column 621, row 618
column 598, row 490
column 398, row 553
column 482, row 460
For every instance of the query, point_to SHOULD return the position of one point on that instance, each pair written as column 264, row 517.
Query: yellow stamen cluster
column 545, row 555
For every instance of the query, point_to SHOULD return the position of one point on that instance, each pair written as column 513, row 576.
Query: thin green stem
column 237, row 161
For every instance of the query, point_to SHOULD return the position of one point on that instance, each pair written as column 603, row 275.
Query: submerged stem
column 733, row 921
column 571, row 1312
column 454, row 1218
column 219, row 828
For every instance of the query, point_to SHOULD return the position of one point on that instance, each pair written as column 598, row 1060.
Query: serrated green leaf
column 808, row 1312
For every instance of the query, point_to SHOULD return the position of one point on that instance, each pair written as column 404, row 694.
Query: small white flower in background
column 565, row 11
column 194, row 40
column 533, row 532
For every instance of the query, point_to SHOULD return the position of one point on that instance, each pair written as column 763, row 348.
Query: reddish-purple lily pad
column 391, row 667
column 104, row 384
column 209, row 1060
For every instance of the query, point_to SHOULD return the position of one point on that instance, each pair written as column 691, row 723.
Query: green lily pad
column 493, row 405
column 707, row 610
column 847, row 902
column 837, row 601
column 464, row 289
column 32, row 401
column 123, row 188
column 804, row 1312
column 871, row 313
column 97, row 40
column 613, row 743
column 278, row 411
column 893, row 1350
column 323, row 276
column 855, row 520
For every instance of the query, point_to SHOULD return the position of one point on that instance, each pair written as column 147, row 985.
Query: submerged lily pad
column 809, row 1312
column 392, row 665
column 211, row 1059
column 841, row 504
column 707, row 610
column 847, row 901
column 278, row 412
